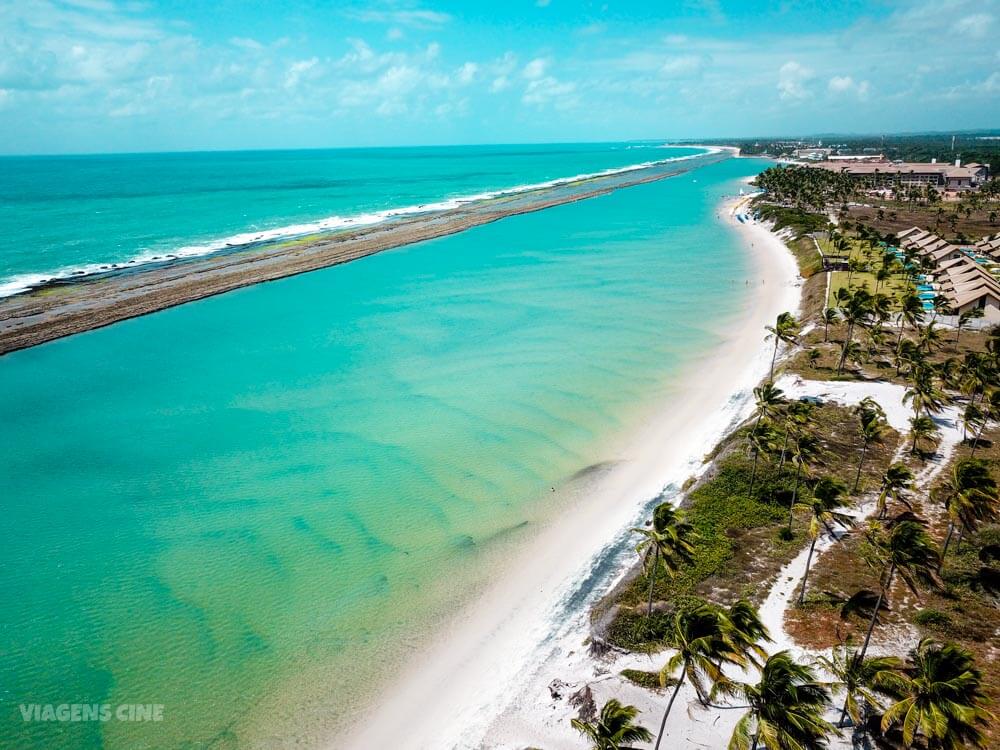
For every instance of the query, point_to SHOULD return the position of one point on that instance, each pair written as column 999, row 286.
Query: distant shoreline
column 74, row 306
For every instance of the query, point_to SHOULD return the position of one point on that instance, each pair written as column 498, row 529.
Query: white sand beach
column 485, row 681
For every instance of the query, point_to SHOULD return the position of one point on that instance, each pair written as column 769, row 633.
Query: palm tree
column 798, row 417
column 807, row 449
column 702, row 642
column 921, row 428
column 767, row 400
column 969, row 495
column 973, row 313
column 823, row 514
column 972, row 418
column 923, row 393
column 975, row 374
column 939, row 698
column 785, row 328
column 873, row 429
column 763, row 439
column 882, row 275
column 786, row 708
column 896, row 479
column 666, row 544
column 614, row 729
column 991, row 412
column 854, row 266
column 909, row 354
column 881, row 307
column 856, row 677
column 904, row 548
column 911, row 313
column 941, row 305
column 746, row 631
column 829, row 316
column 929, row 337
column 856, row 311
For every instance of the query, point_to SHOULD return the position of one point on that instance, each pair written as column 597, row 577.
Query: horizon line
column 726, row 140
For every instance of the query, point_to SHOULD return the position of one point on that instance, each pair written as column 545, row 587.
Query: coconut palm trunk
column 947, row 541
column 652, row 580
column 878, row 605
column 670, row 705
column 979, row 434
column 861, row 463
column 805, row 576
column 795, row 493
column 753, row 471
column 847, row 345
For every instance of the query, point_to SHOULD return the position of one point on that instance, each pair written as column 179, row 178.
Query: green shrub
column 799, row 221
column 648, row 680
column 932, row 618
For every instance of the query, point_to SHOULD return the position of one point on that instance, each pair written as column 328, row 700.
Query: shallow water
column 63, row 215
column 246, row 508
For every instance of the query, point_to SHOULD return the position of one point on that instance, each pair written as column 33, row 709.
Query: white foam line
column 26, row 282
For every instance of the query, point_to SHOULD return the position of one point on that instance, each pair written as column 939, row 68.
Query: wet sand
column 77, row 305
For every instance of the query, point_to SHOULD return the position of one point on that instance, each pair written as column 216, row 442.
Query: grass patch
column 799, row 221
column 741, row 543
column 932, row 618
column 648, row 680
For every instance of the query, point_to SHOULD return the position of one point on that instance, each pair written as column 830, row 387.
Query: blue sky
column 109, row 75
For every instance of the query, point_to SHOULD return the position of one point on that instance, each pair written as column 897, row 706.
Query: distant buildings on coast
column 878, row 172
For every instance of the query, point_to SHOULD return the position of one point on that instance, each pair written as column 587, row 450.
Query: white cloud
column 685, row 65
column 394, row 34
column 977, row 25
column 991, row 85
column 841, row 85
column 299, row 69
column 244, row 43
column 542, row 3
column 499, row 84
column 549, row 90
column 793, row 79
column 536, row 68
column 414, row 18
column 467, row 73
column 592, row 29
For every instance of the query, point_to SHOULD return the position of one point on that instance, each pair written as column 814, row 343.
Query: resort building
column 882, row 174
column 960, row 275
column 812, row 154
column 990, row 246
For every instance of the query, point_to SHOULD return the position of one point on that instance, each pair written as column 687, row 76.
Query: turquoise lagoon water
column 63, row 213
column 250, row 508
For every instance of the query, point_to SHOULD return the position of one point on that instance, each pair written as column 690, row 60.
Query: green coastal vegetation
column 805, row 198
column 903, row 597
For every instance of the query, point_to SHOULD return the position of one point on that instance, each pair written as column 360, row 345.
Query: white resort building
column 960, row 275
column 883, row 174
